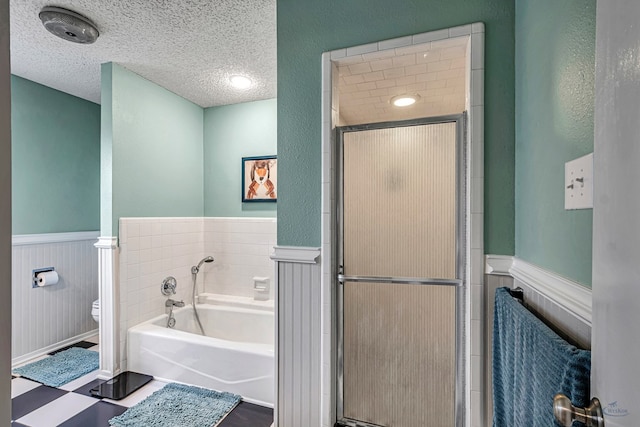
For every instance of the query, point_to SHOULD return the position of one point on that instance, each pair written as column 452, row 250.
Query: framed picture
column 259, row 179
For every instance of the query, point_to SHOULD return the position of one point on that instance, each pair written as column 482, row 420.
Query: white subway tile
column 362, row 49
column 477, row 27
column 394, row 43
column 477, row 266
column 145, row 255
column 476, row 409
column 133, row 229
column 476, row 337
column 338, row 53
column 477, row 195
column 477, row 230
column 167, row 227
column 477, row 51
column 133, row 243
column 430, row 36
column 133, row 271
column 146, row 228
column 476, row 373
column 476, row 302
column 477, row 87
column 156, row 228
column 145, row 268
column 462, row 30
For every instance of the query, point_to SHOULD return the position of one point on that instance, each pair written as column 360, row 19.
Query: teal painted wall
column 106, row 150
column 55, row 160
column 157, row 155
column 555, row 67
column 306, row 28
column 230, row 133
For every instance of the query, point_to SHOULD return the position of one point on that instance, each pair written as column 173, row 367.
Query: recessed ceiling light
column 404, row 100
column 240, row 82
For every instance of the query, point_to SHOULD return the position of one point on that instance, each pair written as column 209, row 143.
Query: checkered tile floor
column 36, row 405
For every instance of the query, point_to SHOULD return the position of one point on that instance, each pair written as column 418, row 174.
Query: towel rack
column 517, row 293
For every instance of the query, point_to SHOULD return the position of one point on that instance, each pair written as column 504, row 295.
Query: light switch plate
column 578, row 183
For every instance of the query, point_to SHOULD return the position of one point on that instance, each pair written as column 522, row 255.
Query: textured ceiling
column 189, row 47
column 435, row 71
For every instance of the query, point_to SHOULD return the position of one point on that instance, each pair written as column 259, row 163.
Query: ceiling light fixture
column 404, row 100
column 68, row 25
column 240, row 82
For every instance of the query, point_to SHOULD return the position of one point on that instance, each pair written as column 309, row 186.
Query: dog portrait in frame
column 259, row 179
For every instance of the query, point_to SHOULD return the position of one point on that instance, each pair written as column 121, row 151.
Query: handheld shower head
column 196, row 268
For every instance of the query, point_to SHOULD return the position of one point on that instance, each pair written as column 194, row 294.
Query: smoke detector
column 68, row 25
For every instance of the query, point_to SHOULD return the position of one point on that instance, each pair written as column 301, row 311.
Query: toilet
column 95, row 310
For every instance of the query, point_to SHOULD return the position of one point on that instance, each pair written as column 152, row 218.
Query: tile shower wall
column 153, row 248
column 45, row 317
column 150, row 250
column 241, row 248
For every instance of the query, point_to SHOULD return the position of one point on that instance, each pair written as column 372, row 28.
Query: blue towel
column 531, row 363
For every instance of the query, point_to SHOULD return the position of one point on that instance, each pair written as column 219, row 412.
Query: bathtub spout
column 173, row 303
column 171, row 321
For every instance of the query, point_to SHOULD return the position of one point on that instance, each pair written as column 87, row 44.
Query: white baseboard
column 566, row 293
column 53, row 347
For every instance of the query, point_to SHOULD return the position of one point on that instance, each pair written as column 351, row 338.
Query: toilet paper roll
column 47, row 278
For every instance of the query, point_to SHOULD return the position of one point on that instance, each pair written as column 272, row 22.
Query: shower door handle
column 400, row 280
column 566, row 413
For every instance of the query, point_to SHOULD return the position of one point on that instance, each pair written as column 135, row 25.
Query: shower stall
column 401, row 268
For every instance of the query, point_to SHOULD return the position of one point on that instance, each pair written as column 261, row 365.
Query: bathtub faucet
column 171, row 321
column 173, row 303
column 194, row 276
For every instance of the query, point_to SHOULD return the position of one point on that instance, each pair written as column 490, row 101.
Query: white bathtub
column 236, row 355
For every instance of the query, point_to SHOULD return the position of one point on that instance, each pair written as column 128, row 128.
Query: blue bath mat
column 62, row 367
column 178, row 405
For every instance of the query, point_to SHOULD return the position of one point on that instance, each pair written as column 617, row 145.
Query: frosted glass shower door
column 400, row 278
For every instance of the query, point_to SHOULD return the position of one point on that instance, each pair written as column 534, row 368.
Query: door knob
column 566, row 413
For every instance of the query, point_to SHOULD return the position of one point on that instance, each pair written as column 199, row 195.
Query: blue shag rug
column 178, row 405
column 62, row 367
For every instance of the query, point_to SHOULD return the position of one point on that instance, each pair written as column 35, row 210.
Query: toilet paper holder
column 34, row 278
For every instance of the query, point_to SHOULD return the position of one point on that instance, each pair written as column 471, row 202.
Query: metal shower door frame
column 459, row 282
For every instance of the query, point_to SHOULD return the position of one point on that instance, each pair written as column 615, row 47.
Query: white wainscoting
column 298, row 337
column 44, row 319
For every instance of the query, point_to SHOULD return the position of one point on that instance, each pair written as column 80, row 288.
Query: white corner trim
column 37, row 239
column 570, row 295
column 295, row 254
column 107, row 242
column 109, row 336
column 498, row 264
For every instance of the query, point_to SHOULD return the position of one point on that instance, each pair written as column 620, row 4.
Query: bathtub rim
column 155, row 327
